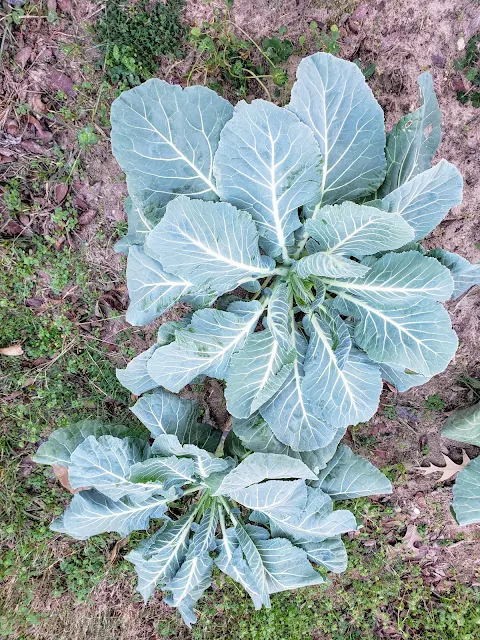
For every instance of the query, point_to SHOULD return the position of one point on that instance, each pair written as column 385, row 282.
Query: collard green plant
column 463, row 425
column 313, row 219
column 262, row 520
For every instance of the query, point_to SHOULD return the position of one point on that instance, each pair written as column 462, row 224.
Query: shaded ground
column 413, row 572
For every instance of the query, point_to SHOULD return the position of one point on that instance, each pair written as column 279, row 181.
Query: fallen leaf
column 87, row 217
column 52, row 5
column 118, row 545
column 13, row 350
column 410, row 539
column 62, row 476
column 41, row 132
column 61, row 82
column 33, row 147
column 65, row 6
column 22, row 56
column 448, row 471
column 60, row 192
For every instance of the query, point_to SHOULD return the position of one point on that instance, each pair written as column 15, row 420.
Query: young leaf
column 329, row 266
column 259, row 467
column 268, row 164
column 322, row 99
column 425, row 199
column 164, row 138
column 356, row 230
column 413, row 141
column 464, row 274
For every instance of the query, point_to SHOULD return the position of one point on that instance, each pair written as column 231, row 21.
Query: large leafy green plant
column 313, row 218
column 463, row 425
column 262, row 520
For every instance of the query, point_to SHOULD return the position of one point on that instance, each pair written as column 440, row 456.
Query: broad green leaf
column 164, row 472
column 463, row 425
column 105, row 464
column 140, row 222
column 349, row 476
column 330, row 266
column 413, row 141
column 90, row 513
column 256, row 373
column 204, row 462
column 464, row 273
column 272, row 496
column 206, row 346
column 232, row 562
column 289, row 413
column 419, row 337
column 400, row 278
column 426, row 199
column 135, row 377
column 62, row 442
column 402, row 378
column 466, row 494
column 350, row 229
column 263, row 466
column 164, row 138
column 332, row 98
column 329, row 553
column 254, row 563
column 343, row 390
column 211, row 244
column 315, row 521
column 256, row 435
column 286, row 566
column 165, row 413
column 158, row 558
column 152, row 290
column 268, row 164
column 278, row 319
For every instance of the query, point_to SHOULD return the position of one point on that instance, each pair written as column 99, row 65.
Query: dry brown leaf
column 410, row 538
column 60, row 192
column 448, row 471
column 62, row 476
column 118, row 545
column 13, row 350
column 23, row 55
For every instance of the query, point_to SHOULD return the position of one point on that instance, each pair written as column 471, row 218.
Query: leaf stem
column 228, row 510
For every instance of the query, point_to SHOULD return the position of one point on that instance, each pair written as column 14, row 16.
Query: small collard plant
column 463, row 425
column 294, row 235
column 262, row 520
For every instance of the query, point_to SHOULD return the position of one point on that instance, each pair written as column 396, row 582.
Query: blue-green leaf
column 463, row 425
column 466, row 494
column 135, row 377
column 332, row 98
column 413, row 141
column 425, row 199
column 268, row 164
column 211, row 244
column 206, row 346
column 350, row 229
column 164, row 138
column 464, row 273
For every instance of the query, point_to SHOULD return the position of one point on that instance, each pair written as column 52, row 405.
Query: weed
column 326, row 40
column 134, row 36
column 390, row 411
column 470, row 65
column 434, row 403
